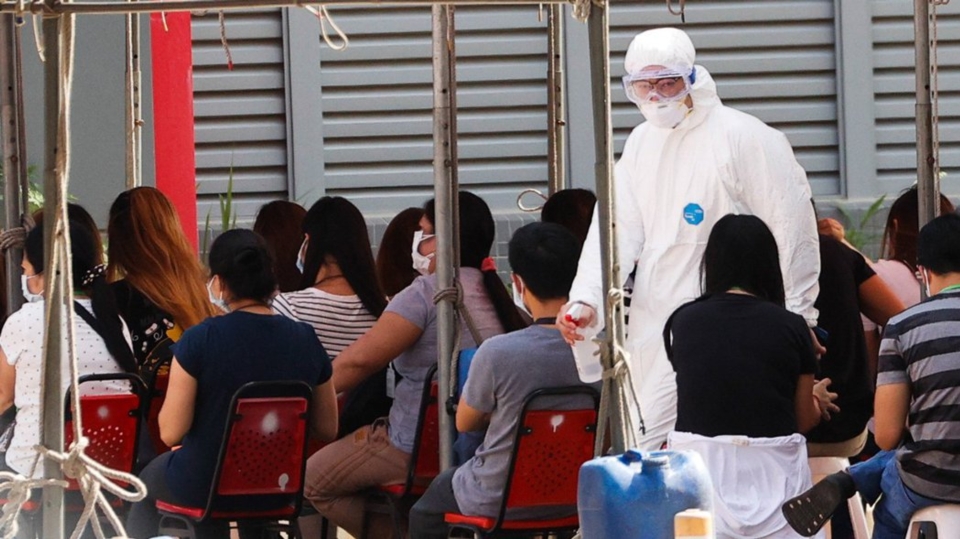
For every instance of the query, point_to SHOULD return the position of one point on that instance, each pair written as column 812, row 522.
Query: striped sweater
column 921, row 347
column 337, row 320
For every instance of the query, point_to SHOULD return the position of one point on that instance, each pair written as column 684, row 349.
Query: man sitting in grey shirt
column 505, row 370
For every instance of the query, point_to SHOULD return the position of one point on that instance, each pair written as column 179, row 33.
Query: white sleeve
column 588, row 285
column 774, row 187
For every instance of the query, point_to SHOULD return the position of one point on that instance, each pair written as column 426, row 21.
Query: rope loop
column 454, row 295
column 323, row 15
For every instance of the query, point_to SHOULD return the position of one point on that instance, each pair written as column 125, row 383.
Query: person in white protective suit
column 693, row 161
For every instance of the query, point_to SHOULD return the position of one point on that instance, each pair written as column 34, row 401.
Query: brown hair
column 148, row 248
column 903, row 227
column 279, row 223
column 394, row 261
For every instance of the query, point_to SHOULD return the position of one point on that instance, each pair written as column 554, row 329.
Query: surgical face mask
column 665, row 115
column 300, row 254
column 421, row 263
column 925, row 277
column 217, row 301
column 27, row 294
column 518, row 287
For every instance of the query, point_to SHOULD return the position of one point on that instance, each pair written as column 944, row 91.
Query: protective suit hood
column 672, row 49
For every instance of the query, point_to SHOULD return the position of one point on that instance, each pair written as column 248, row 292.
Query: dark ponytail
column 242, row 259
column 477, row 231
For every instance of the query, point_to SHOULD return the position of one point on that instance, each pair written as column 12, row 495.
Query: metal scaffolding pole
column 14, row 155
column 134, row 121
column 928, row 185
column 598, row 27
column 171, row 6
column 446, row 198
column 556, row 120
column 54, row 291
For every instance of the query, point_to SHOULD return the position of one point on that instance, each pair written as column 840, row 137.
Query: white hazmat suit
column 671, row 186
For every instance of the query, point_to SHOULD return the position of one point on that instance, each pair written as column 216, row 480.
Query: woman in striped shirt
column 340, row 297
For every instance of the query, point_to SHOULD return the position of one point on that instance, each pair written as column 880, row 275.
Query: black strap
column 88, row 317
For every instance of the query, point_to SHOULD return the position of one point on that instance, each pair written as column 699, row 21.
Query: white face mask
column 27, row 294
column 217, row 301
column 925, row 277
column 300, row 254
column 421, row 263
column 518, row 295
column 665, row 115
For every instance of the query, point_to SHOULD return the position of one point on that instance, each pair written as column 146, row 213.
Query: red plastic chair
column 549, row 448
column 258, row 482
column 111, row 424
column 424, row 460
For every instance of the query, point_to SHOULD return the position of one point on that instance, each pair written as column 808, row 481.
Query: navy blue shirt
column 224, row 353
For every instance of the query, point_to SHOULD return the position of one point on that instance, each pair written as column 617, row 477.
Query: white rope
column 324, row 16
column 91, row 476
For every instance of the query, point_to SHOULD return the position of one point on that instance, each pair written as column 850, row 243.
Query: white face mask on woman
column 421, row 263
column 27, row 294
column 217, row 301
column 302, row 252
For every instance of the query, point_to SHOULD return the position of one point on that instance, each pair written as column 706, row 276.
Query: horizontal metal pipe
column 170, row 6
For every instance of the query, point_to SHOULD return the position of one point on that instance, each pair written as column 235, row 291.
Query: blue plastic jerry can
column 636, row 495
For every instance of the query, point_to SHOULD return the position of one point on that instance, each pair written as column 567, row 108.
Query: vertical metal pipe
column 53, row 282
column 445, row 195
column 598, row 28
column 556, row 121
column 11, row 100
column 134, row 132
column 928, row 186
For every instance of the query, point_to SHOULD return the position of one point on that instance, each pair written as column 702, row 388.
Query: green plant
column 228, row 215
column 857, row 231
column 35, row 191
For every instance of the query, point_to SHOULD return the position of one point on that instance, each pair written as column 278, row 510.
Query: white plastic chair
column 941, row 521
column 821, row 467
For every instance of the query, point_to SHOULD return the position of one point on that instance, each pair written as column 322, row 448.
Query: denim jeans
column 879, row 475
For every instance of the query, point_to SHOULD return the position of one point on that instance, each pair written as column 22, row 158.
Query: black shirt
column 842, row 271
column 738, row 359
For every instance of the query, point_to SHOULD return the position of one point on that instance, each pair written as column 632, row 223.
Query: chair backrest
column 263, row 453
column 111, row 422
column 549, row 447
column 425, row 458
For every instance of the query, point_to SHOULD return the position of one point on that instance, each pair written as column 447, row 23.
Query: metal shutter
column 775, row 60
column 893, row 83
column 377, row 105
column 240, row 113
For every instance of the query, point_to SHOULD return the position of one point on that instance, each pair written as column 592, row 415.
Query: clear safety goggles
column 664, row 85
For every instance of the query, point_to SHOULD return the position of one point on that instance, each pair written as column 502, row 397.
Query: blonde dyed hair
column 147, row 248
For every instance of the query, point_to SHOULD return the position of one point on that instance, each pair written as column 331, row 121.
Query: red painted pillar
column 176, row 170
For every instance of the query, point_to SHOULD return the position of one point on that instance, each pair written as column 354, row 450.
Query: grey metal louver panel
column 240, row 114
column 775, row 60
column 377, row 105
column 893, row 83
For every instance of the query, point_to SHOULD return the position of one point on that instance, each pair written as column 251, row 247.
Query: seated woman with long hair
column 340, row 297
column 215, row 358
column 101, row 350
column 155, row 274
column 745, row 380
column 405, row 334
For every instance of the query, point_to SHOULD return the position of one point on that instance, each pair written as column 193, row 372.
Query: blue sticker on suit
column 693, row 214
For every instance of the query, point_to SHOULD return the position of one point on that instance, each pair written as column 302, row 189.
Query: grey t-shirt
column 415, row 303
column 505, row 370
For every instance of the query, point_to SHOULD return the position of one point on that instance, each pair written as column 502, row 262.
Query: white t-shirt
column 337, row 320
column 22, row 343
